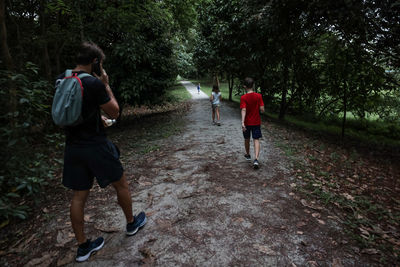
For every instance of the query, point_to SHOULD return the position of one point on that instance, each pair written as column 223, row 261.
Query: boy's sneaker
column 248, row 157
column 84, row 250
column 218, row 123
column 255, row 164
column 138, row 222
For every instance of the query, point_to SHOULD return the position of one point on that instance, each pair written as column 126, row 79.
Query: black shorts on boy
column 255, row 131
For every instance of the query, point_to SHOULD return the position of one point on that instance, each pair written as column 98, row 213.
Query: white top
column 216, row 98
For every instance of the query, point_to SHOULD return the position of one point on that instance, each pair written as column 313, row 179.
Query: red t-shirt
column 252, row 103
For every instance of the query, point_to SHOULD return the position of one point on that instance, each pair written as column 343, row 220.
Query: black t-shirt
column 91, row 131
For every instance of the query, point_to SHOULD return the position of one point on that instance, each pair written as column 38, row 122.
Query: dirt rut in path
column 207, row 206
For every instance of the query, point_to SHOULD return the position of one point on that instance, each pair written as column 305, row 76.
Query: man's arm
column 243, row 111
column 262, row 109
column 111, row 108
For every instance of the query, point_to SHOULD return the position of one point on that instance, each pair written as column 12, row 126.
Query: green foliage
column 178, row 93
column 141, row 40
column 25, row 168
column 317, row 58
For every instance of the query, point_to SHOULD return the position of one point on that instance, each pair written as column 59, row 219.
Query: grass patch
column 177, row 93
column 374, row 133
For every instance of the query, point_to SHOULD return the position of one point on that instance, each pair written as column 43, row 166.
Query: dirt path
column 207, row 206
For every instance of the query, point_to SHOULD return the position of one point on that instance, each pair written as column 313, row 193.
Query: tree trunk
column 282, row 109
column 43, row 30
column 344, row 111
column 215, row 79
column 7, row 59
column 230, row 84
column 3, row 35
column 59, row 50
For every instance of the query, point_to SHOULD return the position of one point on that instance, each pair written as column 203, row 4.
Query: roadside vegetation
column 142, row 43
column 358, row 185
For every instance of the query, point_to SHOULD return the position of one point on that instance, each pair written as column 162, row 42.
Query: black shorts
column 255, row 131
column 84, row 162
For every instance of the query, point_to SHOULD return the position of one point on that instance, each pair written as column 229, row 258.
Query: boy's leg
column 217, row 111
column 256, row 148
column 213, row 114
column 124, row 197
column 247, row 146
column 76, row 214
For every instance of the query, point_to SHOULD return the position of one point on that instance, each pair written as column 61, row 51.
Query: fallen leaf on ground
column 264, row 249
column 220, row 189
column 150, row 213
column 337, row 263
column 240, row 219
column 301, row 224
column 348, row 196
column 364, row 231
column 22, row 246
column 63, row 238
column 148, row 256
column 316, row 215
column 45, row 260
column 105, row 227
column 144, row 183
column 68, row 258
column 370, row 251
column 321, row 222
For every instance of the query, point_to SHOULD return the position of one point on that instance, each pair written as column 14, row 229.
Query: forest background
column 332, row 64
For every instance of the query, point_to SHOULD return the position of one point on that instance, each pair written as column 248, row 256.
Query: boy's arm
column 262, row 109
column 243, row 117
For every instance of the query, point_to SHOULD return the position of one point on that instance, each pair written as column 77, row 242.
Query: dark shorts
column 84, row 162
column 214, row 106
column 255, row 131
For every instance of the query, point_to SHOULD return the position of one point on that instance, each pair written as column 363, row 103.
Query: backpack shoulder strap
column 68, row 73
column 83, row 75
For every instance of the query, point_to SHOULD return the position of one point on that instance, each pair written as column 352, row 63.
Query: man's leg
column 256, row 148
column 247, row 146
column 124, row 197
column 76, row 214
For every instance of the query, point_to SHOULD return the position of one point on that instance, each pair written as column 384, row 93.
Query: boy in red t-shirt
column 251, row 104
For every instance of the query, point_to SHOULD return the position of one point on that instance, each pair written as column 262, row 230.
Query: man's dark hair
column 248, row 82
column 87, row 52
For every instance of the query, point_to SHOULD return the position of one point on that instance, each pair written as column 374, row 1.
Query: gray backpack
column 67, row 102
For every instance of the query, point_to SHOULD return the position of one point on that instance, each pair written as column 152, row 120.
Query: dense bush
column 24, row 163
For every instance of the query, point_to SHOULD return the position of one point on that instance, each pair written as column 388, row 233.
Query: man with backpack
column 80, row 96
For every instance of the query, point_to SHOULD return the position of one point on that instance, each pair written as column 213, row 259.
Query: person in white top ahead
column 215, row 99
